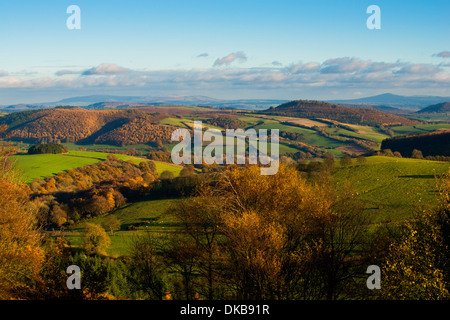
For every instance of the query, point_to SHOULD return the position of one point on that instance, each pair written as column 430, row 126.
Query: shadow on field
column 419, row 176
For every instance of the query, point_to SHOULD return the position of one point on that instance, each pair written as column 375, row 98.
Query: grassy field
column 393, row 188
column 130, row 214
column 408, row 130
column 38, row 166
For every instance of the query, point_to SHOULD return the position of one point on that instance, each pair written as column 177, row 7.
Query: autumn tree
column 345, row 161
column 416, row 154
column 21, row 254
column 279, row 236
column 418, row 265
column 95, row 240
column 166, row 175
column 112, row 223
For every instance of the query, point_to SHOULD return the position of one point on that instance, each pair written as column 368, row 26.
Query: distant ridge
column 323, row 110
column 112, row 101
column 397, row 101
column 443, row 107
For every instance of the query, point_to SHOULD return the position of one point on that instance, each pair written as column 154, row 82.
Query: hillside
column 118, row 127
column 431, row 144
column 323, row 110
column 443, row 107
column 392, row 188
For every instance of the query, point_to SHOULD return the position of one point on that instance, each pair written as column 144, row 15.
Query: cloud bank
column 342, row 74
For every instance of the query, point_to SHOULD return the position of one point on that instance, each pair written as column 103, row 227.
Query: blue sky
column 281, row 49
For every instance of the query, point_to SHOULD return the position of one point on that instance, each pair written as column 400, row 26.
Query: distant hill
column 431, row 144
column 112, row 102
column 318, row 109
column 377, row 107
column 117, row 127
column 396, row 101
column 443, row 107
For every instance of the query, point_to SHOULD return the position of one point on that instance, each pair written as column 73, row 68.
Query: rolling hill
column 118, row 127
column 323, row 110
column 397, row 101
column 443, row 107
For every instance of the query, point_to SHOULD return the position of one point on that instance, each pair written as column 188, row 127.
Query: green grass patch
column 38, row 166
column 393, row 188
column 121, row 241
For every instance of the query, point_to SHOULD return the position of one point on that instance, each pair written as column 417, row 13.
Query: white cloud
column 344, row 65
column 240, row 56
column 419, row 69
column 105, row 68
column 65, row 72
column 443, row 54
column 304, row 67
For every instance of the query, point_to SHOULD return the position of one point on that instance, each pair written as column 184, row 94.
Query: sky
column 246, row 49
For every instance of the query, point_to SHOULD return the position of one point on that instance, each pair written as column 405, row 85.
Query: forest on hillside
column 318, row 109
column 430, row 144
column 116, row 127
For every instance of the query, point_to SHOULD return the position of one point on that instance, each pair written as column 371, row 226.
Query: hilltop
column 323, row 110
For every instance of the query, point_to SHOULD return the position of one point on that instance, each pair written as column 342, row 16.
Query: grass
column 312, row 137
column 423, row 128
column 130, row 214
column 393, row 188
column 38, row 166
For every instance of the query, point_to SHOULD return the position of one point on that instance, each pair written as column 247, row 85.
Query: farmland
column 39, row 166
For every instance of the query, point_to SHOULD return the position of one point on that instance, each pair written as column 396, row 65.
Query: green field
column 424, row 128
column 130, row 214
column 392, row 188
column 38, row 166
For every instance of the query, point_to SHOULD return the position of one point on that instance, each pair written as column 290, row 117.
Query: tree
column 361, row 159
column 96, row 241
column 278, row 237
column 418, row 265
column 112, row 223
column 152, row 166
column 21, row 253
column 416, row 154
column 187, row 171
column 147, row 267
column 165, row 175
column 345, row 161
column 388, row 153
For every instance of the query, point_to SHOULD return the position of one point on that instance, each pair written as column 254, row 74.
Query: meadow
column 38, row 166
column 392, row 189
